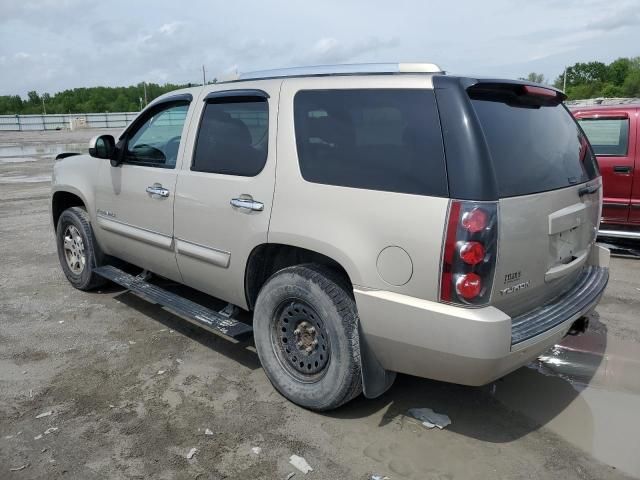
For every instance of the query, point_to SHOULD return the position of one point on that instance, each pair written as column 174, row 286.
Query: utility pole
column 564, row 87
column 144, row 85
column 204, row 77
column 44, row 109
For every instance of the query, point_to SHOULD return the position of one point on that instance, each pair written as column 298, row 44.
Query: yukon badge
column 515, row 288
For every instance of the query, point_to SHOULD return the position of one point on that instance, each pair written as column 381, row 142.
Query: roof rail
column 344, row 69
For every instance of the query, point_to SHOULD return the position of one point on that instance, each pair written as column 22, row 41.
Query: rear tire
column 306, row 335
column 78, row 252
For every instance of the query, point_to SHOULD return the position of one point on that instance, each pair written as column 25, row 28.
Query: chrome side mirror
column 102, row 146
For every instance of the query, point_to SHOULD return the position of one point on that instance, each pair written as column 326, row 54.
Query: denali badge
column 511, row 277
column 106, row 213
column 515, row 288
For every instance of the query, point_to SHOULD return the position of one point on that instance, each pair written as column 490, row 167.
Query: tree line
column 86, row 100
column 620, row 78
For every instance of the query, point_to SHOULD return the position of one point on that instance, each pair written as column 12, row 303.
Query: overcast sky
column 51, row 45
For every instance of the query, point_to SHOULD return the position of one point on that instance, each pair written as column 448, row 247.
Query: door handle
column 621, row 169
column 156, row 190
column 248, row 203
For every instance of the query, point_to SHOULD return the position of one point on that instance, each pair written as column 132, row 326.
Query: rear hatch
column 548, row 188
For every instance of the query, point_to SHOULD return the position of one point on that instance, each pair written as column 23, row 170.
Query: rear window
column 608, row 136
column 533, row 147
column 376, row 139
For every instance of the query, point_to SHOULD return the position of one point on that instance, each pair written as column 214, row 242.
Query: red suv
column 613, row 133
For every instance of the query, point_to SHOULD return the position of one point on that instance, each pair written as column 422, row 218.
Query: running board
column 216, row 322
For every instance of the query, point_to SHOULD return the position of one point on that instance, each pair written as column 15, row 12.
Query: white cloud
column 73, row 43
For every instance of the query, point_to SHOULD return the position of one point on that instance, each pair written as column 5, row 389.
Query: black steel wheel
column 306, row 333
column 300, row 340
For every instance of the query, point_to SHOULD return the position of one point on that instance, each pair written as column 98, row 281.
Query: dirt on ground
column 104, row 385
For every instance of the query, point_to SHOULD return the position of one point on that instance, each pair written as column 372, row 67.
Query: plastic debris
column 256, row 450
column 300, row 463
column 44, row 450
column 160, row 372
column 178, row 360
column 429, row 418
column 61, row 322
column 290, row 476
column 208, row 432
column 50, row 430
column 191, row 453
column 37, row 437
column 17, row 469
column 44, row 414
column 378, row 477
column 131, row 342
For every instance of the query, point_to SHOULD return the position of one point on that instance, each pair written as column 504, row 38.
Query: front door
column 613, row 142
column 224, row 192
column 134, row 201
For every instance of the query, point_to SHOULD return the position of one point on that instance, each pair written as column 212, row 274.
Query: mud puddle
column 586, row 390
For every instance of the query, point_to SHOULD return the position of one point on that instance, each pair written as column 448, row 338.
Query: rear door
column 613, row 140
column 224, row 191
column 549, row 193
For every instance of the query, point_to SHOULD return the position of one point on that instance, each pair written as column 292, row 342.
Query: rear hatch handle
column 588, row 190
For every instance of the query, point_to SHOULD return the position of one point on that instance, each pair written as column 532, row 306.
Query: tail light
column 469, row 256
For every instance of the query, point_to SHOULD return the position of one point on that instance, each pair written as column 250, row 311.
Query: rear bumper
column 471, row 346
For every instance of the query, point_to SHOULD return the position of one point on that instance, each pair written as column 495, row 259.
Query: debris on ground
column 375, row 476
column 61, row 322
column 160, row 372
column 300, row 463
column 191, row 453
column 37, row 437
column 429, row 418
column 17, row 469
column 256, row 450
column 178, row 360
column 45, row 414
column 44, row 450
column 290, row 476
column 50, row 430
column 131, row 342
column 208, row 432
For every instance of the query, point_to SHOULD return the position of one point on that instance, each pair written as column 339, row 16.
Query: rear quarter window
column 608, row 136
column 378, row 139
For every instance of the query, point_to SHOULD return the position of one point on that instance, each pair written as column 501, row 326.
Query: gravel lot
column 94, row 360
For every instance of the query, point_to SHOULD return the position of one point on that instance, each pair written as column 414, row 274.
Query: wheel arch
column 63, row 199
column 268, row 258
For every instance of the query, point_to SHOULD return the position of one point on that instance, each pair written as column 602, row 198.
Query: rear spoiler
column 516, row 93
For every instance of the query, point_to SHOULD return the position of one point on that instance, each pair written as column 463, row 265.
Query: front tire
column 306, row 335
column 77, row 250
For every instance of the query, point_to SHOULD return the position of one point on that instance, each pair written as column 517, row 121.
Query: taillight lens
column 469, row 285
column 469, row 257
column 472, row 253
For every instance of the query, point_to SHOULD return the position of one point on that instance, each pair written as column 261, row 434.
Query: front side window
column 378, row 139
column 155, row 142
column 233, row 136
column 608, row 136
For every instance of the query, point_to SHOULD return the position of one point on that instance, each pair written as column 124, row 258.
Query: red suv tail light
column 469, row 257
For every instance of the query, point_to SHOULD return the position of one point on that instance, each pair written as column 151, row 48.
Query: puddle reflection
column 603, row 418
column 43, row 150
